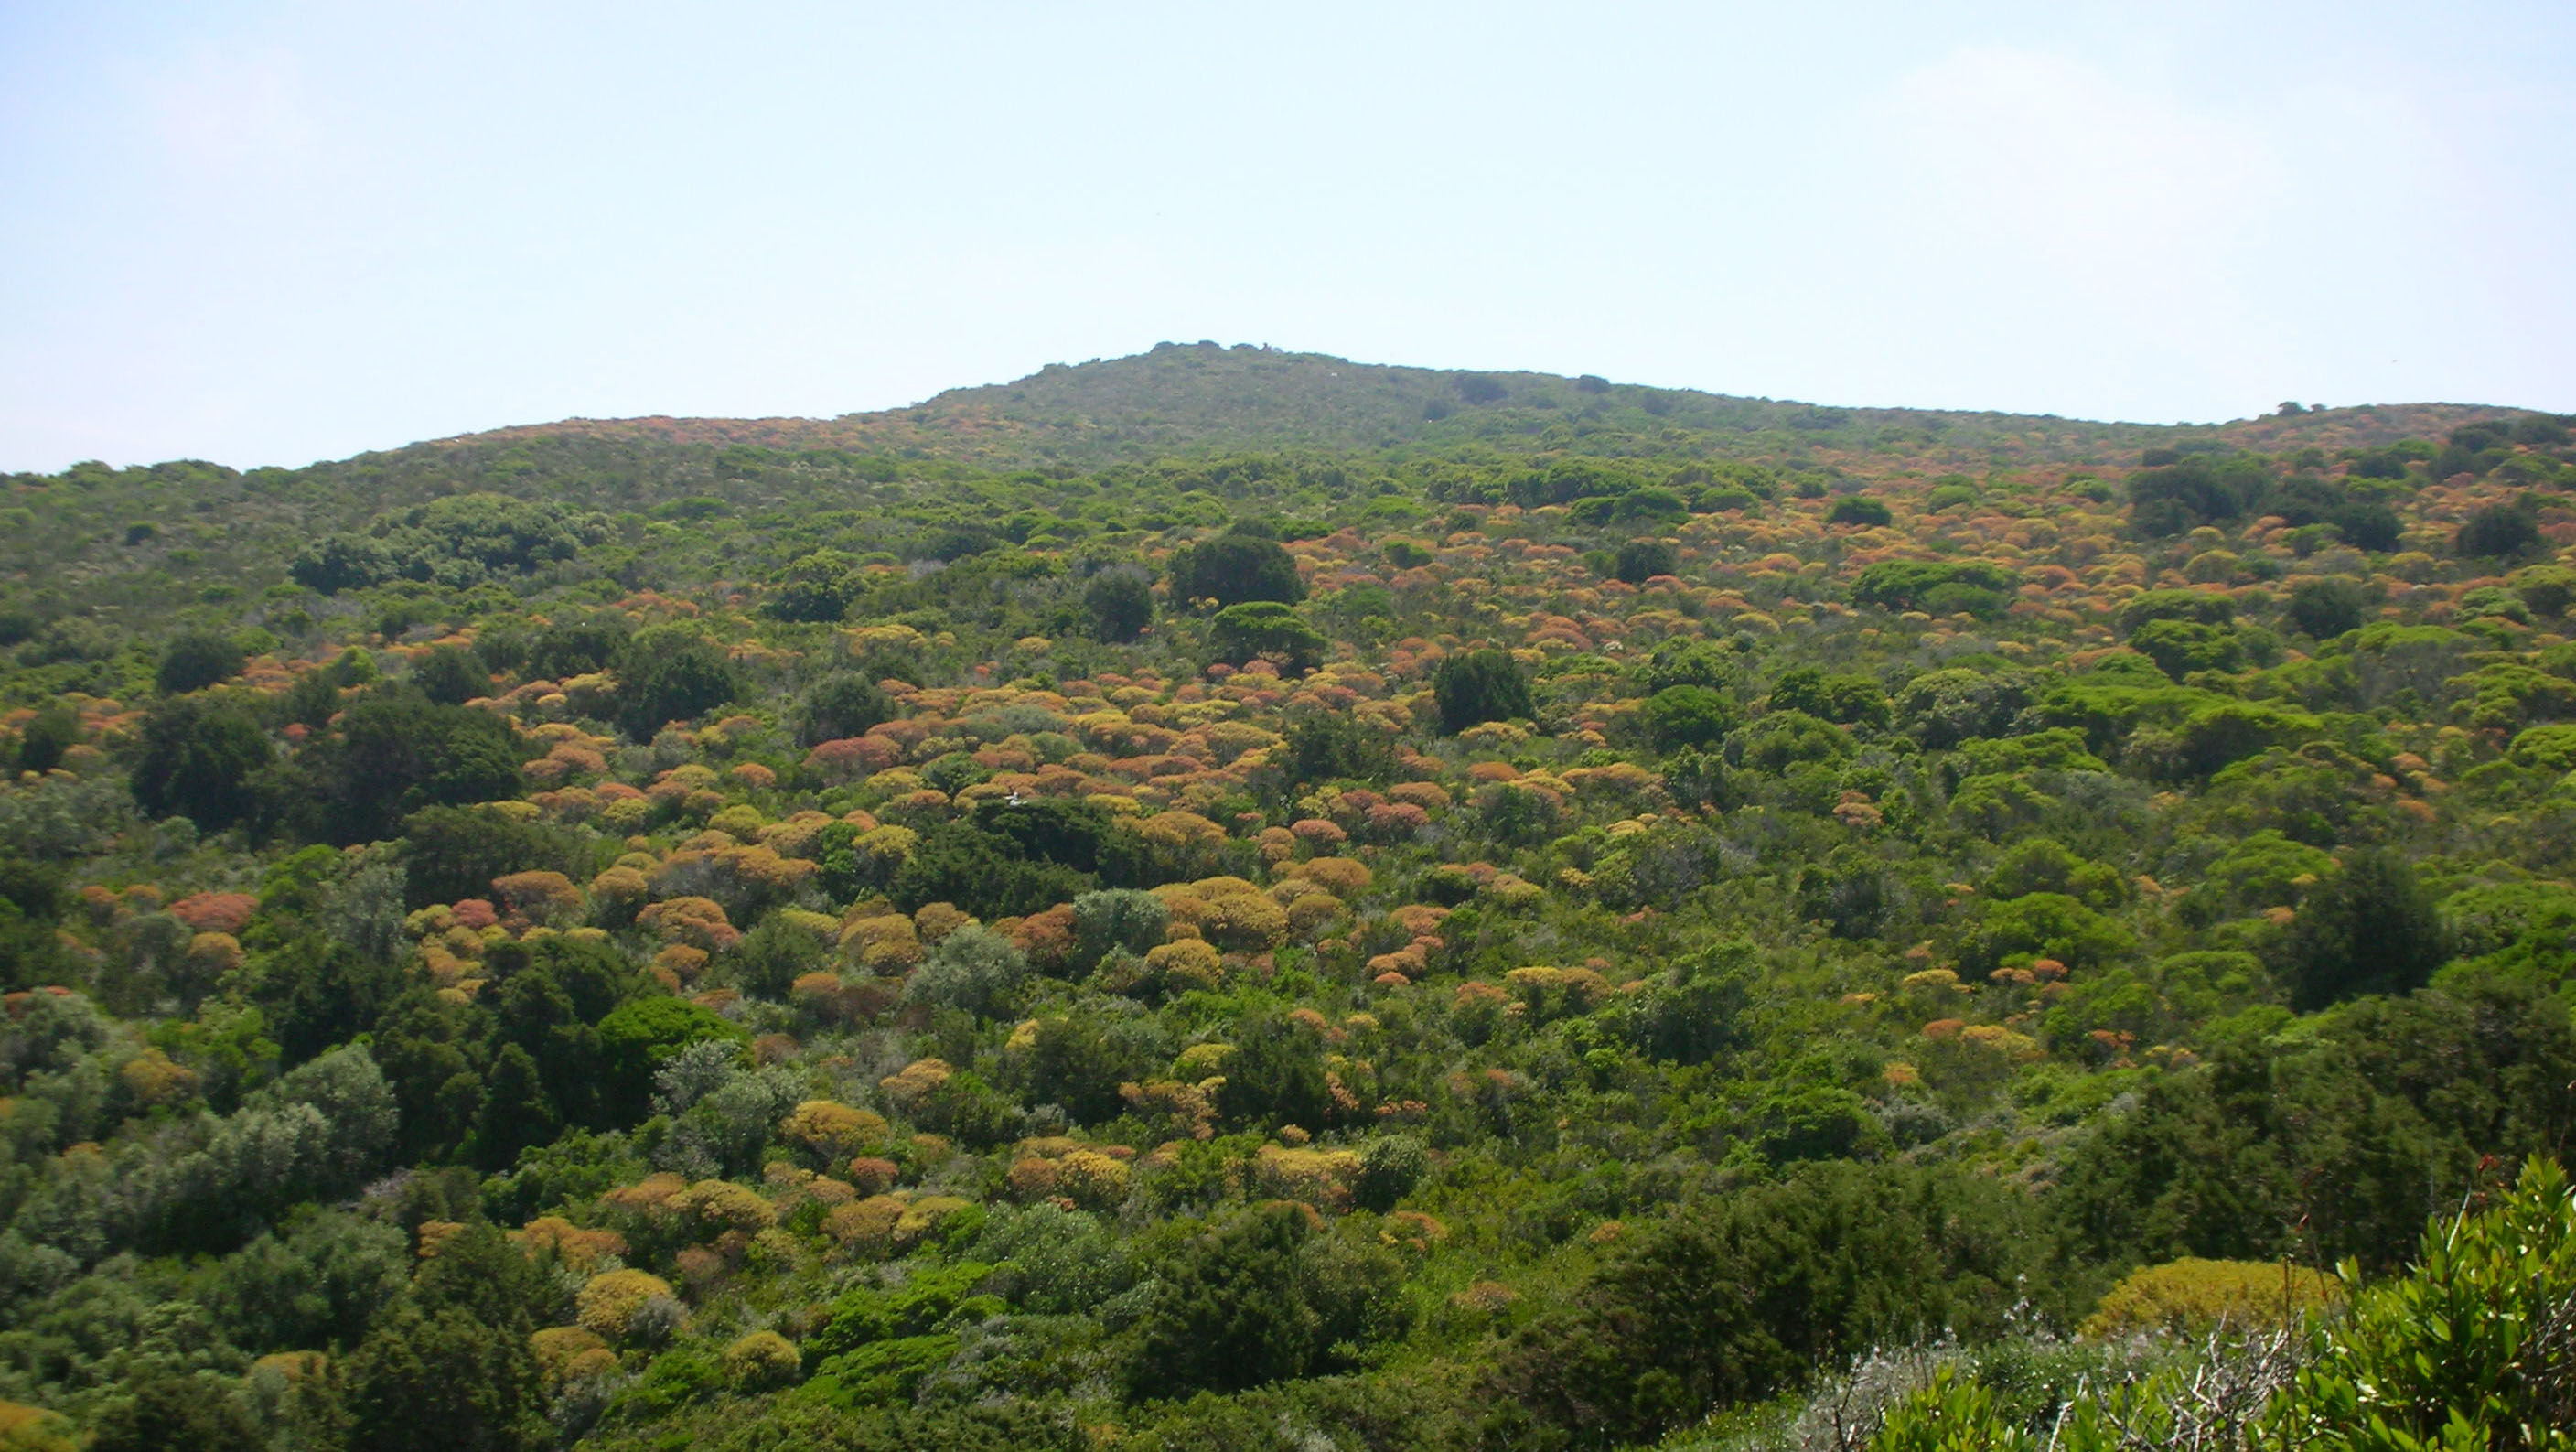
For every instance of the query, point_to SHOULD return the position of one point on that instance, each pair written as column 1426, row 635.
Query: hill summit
column 1198, row 396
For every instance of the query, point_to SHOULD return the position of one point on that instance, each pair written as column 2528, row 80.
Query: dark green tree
column 1859, row 509
column 1843, row 700
column 1939, row 587
column 43, row 741
column 984, row 871
column 1389, row 1169
column 1325, row 746
column 393, row 753
column 2499, row 531
column 1072, row 1063
column 843, row 704
column 478, row 1270
column 315, row 992
column 452, row 675
column 311, row 702
column 576, row 647
column 317, row 1285
column 1233, row 1313
column 2326, row 608
column 1275, row 1075
column 1734, row 1298
column 1118, row 604
column 2370, row 928
column 772, row 956
column 1640, row 560
column 453, row 853
column 1684, row 662
column 32, row 888
column 2200, row 607
column 1480, row 686
column 517, row 1111
column 1233, row 569
column 161, row 1411
column 819, row 587
column 445, row 1382
column 670, row 673
column 200, row 760
column 1696, row 1009
column 194, row 660
column 2178, row 492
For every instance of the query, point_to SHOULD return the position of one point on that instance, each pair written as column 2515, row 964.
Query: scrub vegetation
column 1227, row 899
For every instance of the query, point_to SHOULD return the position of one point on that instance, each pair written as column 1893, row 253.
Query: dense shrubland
column 1207, row 902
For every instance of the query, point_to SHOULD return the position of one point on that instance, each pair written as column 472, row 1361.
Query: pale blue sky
column 270, row 233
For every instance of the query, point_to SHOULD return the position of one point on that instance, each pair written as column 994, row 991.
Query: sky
column 276, row 233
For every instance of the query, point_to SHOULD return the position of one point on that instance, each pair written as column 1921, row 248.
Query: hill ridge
column 1183, row 396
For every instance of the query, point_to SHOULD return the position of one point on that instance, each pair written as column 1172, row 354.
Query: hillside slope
column 1222, row 900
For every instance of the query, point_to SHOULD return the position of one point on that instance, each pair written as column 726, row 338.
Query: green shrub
column 1942, row 587
column 1860, row 509
column 1266, row 629
column 1680, row 716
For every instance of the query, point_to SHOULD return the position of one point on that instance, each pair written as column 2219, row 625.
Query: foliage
column 394, row 752
column 1119, row 605
column 1480, row 686
column 1260, row 1298
column 2193, row 1296
column 842, row 705
column 2326, row 608
column 670, row 673
column 2498, row 531
column 1717, row 909
column 1266, row 629
column 1680, row 716
column 194, row 660
column 1640, row 560
column 1236, row 569
column 201, row 761
column 2371, row 928
column 1736, row 1301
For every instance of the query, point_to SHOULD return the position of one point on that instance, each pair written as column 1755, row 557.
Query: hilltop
column 1185, row 397
column 121, row 539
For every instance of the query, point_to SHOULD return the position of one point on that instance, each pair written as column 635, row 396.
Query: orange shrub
column 215, row 912
column 540, row 897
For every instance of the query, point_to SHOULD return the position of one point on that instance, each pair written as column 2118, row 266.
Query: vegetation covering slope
column 1227, row 899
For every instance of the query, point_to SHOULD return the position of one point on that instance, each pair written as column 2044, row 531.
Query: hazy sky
column 270, row 233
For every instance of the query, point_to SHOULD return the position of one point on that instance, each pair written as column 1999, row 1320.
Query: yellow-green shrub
column 761, row 1359
column 2191, row 1295
column 607, row 1303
